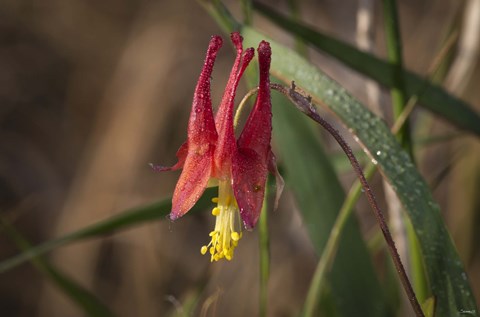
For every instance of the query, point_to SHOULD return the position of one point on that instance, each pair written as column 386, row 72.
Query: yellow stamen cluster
column 227, row 232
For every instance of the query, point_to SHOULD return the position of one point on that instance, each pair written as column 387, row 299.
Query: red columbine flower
column 211, row 151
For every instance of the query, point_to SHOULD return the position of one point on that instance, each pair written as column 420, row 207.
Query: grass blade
column 125, row 220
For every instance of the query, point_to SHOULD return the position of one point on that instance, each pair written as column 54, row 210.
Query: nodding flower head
column 212, row 152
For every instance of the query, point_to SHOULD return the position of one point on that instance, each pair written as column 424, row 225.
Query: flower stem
column 242, row 105
column 304, row 105
column 264, row 255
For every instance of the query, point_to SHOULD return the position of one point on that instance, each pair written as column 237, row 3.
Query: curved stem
column 242, row 106
column 304, row 105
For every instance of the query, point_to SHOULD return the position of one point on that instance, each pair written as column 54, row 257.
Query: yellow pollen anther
column 216, row 211
column 235, row 236
column 224, row 238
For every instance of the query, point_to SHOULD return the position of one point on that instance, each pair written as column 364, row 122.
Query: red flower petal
column 249, row 176
column 257, row 132
column 201, row 141
column 193, row 180
column 201, row 125
column 226, row 144
column 251, row 164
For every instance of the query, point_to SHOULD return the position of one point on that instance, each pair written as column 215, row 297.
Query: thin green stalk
column 394, row 50
column 242, row 105
column 328, row 254
column 399, row 103
column 264, row 256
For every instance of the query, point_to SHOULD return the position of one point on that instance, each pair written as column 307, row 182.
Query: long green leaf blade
column 128, row 219
column 433, row 97
column 447, row 277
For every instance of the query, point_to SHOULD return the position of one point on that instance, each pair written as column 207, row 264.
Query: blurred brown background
column 92, row 91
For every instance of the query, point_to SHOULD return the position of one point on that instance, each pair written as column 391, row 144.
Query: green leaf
column 125, row 220
column 353, row 284
column 78, row 294
column 446, row 275
column 433, row 97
